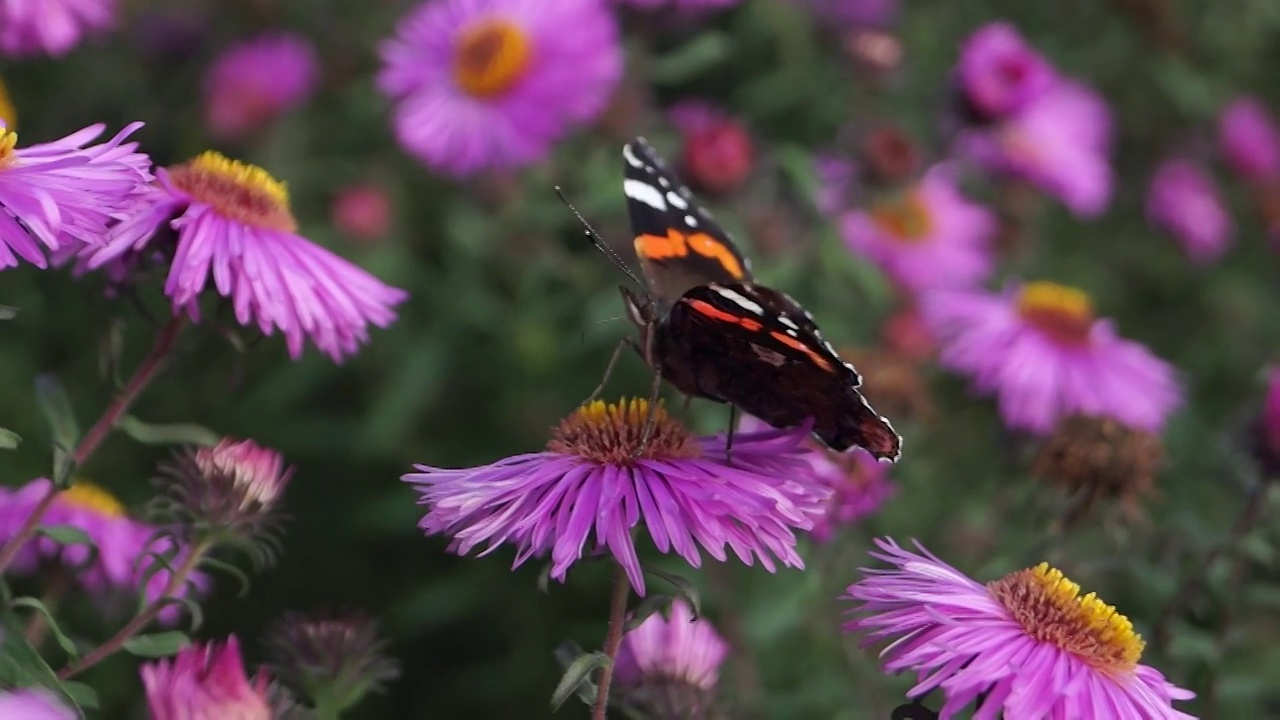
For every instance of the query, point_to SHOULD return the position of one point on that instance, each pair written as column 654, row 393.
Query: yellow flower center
column 88, row 496
column 1061, row 312
column 235, row 190
column 905, row 217
column 1049, row 608
column 613, row 433
column 8, row 113
column 8, row 141
column 490, row 57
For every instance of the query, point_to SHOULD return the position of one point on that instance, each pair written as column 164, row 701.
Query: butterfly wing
column 678, row 242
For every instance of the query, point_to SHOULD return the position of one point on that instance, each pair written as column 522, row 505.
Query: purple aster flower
column 1184, row 201
column 482, row 84
column 1059, row 143
column 999, row 73
column 235, row 232
column 60, row 196
column 1029, row 644
column 205, row 681
column 671, row 666
column 926, row 236
column 34, row 703
column 1250, row 140
column 50, row 27
column 590, row 481
column 837, row 179
column 256, row 81
column 1040, row 349
column 121, row 541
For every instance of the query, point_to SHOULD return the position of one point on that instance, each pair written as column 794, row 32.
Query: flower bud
column 336, row 657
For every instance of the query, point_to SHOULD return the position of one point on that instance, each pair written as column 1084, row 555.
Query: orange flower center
column 1050, row 609
column 237, row 191
column 491, row 56
column 8, row 141
column 905, row 217
column 88, row 496
column 1061, row 312
column 612, row 434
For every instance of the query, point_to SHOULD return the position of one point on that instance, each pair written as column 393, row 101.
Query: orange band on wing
column 676, row 244
column 797, row 344
column 707, row 246
column 714, row 313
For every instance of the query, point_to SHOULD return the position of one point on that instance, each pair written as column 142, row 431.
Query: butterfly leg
column 733, row 424
column 651, row 418
column 608, row 369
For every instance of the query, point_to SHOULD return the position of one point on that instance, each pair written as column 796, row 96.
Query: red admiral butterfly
column 712, row 332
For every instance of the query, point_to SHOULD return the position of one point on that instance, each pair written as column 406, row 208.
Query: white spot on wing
column 691, row 220
column 740, row 300
column 664, row 182
column 630, row 156
column 677, row 201
column 645, row 193
column 792, row 332
column 788, row 322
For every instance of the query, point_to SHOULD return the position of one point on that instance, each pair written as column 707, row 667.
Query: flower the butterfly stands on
column 711, row 331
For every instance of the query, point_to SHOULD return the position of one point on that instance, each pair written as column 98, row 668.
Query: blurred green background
column 513, row 316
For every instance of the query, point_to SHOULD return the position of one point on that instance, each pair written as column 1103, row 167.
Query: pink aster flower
column 588, row 482
column 256, row 81
column 50, row 27
column 205, row 681
column 718, row 154
column 1059, row 143
column 837, row 179
column 60, row 196
column 482, row 84
column 1042, row 352
column 362, row 212
column 1000, row 73
column 1184, row 201
column 1027, row 644
column 121, row 542
column 235, row 232
column 671, row 666
column 1249, row 139
column 927, row 236
column 34, row 703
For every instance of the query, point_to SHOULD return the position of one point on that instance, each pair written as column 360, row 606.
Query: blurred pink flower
column 1249, row 139
column 837, row 178
column 481, row 84
column 205, row 681
column 256, row 81
column 1059, row 143
column 236, row 232
column 718, row 154
column 906, row 333
column 1039, row 348
column 33, row 703
column 50, row 27
column 362, row 212
column 1000, row 73
column 671, row 666
column 926, row 236
column 1183, row 200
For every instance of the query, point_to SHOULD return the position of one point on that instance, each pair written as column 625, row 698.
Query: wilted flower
column 230, row 491
column 338, row 657
column 65, row 193
column 1028, row 643
column 257, row 80
column 34, row 703
column 205, row 681
column 596, row 475
column 362, row 212
column 926, row 236
column 235, row 230
column 718, row 154
column 483, row 84
column 1250, row 140
column 669, row 668
column 51, row 27
column 1183, row 200
column 1060, row 143
column 1000, row 73
column 1096, row 458
column 891, row 381
column 119, row 558
column 889, row 155
column 1045, row 355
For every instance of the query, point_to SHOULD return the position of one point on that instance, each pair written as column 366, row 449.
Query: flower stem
column 613, row 640
column 177, row 581
column 119, row 405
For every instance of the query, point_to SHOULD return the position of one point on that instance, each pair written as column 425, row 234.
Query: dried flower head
column 337, row 656
column 1095, row 458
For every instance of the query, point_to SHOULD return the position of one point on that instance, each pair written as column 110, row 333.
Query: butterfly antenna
column 598, row 241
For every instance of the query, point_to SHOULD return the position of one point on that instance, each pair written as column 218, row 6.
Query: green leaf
column 67, row 644
column 22, row 666
column 653, row 603
column 167, row 433
column 576, row 676
column 192, row 607
column 84, row 695
column 53, row 402
column 232, row 570
column 797, row 166
column 155, row 645
column 690, row 59
column 9, row 439
column 682, row 584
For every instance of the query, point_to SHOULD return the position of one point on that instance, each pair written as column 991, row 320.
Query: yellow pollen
column 1062, row 312
column 905, row 217
column 8, row 112
column 1050, row 609
column 236, row 190
column 490, row 57
column 613, row 433
column 8, row 141
column 89, row 496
